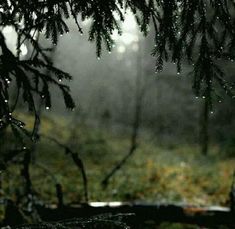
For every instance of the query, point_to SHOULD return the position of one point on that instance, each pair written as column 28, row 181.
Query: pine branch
column 76, row 159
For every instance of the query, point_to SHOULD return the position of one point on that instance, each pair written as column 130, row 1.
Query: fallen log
column 203, row 216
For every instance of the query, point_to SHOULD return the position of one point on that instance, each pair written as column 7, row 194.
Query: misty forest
column 117, row 114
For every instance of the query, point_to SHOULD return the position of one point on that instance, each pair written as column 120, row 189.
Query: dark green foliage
column 200, row 32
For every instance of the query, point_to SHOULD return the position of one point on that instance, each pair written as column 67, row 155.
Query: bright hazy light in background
column 129, row 23
column 11, row 40
column 129, row 37
column 121, row 48
column 129, row 34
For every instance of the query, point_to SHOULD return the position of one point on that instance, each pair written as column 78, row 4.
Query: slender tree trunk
column 139, row 95
column 204, row 138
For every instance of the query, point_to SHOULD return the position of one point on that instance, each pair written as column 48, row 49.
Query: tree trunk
column 204, row 138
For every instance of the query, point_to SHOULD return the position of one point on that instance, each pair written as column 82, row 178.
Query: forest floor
column 154, row 174
column 176, row 174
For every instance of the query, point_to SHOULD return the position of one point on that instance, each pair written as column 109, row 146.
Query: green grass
column 153, row 173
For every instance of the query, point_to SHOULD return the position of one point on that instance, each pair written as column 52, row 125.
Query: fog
column 170, row 111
